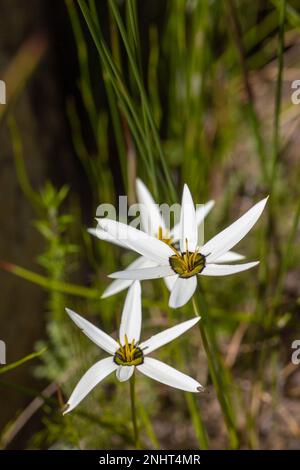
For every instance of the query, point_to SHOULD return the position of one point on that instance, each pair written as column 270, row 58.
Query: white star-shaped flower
column 128, row 353
column 190, row 260
column 153, row 223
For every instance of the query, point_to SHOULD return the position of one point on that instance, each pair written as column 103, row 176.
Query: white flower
column 128, row 353
column 190, row 259
column 153, row 224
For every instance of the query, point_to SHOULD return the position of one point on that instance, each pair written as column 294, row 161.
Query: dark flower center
column 187, row 263
column 129, row 354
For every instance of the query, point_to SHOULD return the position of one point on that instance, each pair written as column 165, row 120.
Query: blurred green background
column 172, row 91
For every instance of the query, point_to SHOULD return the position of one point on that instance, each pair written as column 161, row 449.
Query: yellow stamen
column 164, row 237
column 187, row 264
column 128, row 354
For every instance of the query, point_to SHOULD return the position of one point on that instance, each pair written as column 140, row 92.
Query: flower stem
column 147, row 424
column 133, row 413
column 197, row 421
column 217, row 372
column 190, row 398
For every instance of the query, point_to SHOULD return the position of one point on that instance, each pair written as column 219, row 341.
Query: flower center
column 187, row 263
column 164, row 237
column 129, row 354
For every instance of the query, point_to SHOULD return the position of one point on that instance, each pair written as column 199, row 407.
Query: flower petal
column 201, row 213
column 230, row 257
column 89, row 380
column 144, row 273
column 103, row 340
column 167, row 336
column 182, row 291
column 188, row 225
column 170, row 281
column 124, row 373
column 137, row 240
column 151, row 218
column 116, row 286
column 121, row 284
column 231, row 235
column 102, row 235
column 167, row 375
column 132, row 315
column 226, row 269
column 203, row 210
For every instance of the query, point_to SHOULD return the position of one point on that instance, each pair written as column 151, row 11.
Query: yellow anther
column 164, row 236
column 188, row 263
column 129, row 353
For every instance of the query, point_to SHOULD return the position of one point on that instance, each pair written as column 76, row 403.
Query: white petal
column 137, row 240
column 201, row 213
column 115, row 287
column 103, row 340
column 231, row 235
column 230, row 257
column 124, row 373
column 226, row 269
column 132, row 315
column 167, row 336
column 170, row 281
column 144, row 273
column 188, row 225
column 167, row 375
column 89, row 380
column 203, row 210
column 175, row 232
column 102, row 235
column 151, row 218
column 121, row 284
column 182, row 291
column 141, row 262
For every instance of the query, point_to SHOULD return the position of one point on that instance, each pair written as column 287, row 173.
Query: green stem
column 50, row 284
column 147, row 114
column 22, row 361
column 133, row 413
column 197, row 421
column 271, row 229
column 250, row 104
column 146, row 421
column 190, row 398
column 216, row 369
column 278, row 95
column 112, row 74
